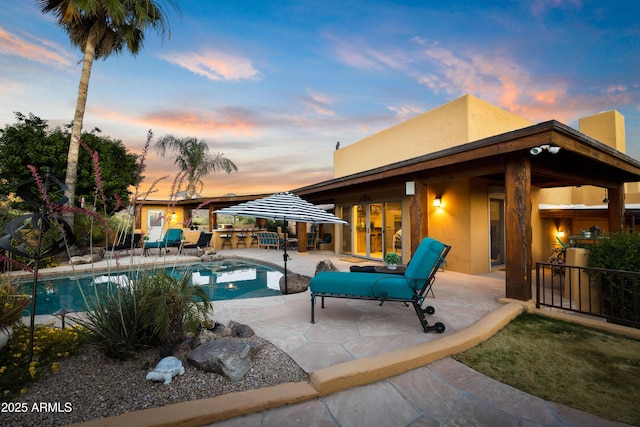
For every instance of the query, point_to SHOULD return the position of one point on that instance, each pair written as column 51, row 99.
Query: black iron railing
column 611, row 294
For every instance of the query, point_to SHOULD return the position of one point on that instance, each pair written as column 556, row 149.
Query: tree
column 172, row 304
column 193, row 158
column 101, row 28
column 31, row 142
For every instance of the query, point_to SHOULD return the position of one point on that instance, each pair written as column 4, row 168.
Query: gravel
column 90, row 386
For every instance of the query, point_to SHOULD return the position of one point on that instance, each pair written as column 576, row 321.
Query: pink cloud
column 221, row 122
column 215, row 65
column 44, row 52
column 500, row 80
column 318, row 103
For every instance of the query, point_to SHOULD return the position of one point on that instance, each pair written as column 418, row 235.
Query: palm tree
column 101, row 28
column 172, row 304
column 193, row 158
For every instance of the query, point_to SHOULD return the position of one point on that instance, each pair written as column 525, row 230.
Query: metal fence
column 611, row 294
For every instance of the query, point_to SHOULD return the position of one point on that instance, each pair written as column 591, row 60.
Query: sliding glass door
column 374, row 227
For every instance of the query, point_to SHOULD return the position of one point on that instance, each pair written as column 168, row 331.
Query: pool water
column 222, row 280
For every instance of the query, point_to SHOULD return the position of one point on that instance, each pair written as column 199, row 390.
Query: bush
column 621, row 251
column 154, row 310
column 113, row 317
column 12, row 304
column 170, row 305
column 50, row 345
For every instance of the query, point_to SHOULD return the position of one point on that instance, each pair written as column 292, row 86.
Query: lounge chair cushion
column 376, row 285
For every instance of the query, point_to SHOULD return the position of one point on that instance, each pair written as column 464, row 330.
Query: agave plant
column 172, row 305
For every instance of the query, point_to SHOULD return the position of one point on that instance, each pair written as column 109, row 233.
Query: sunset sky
column 275, row 84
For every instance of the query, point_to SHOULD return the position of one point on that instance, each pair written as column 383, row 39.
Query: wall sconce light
column 437, row 202
column 560, row 233
column 410, row 188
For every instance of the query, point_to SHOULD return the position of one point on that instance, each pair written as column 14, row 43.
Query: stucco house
column 495, row 186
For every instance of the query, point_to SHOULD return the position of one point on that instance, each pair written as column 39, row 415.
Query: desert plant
column 171, row 305
column 113, row 316
column 12, row 304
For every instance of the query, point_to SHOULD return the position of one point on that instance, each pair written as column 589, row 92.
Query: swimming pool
column 222, row 280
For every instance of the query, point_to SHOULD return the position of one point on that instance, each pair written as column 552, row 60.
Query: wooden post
column 418, row 221
column 213, row 218
column 301, row 231
column 518, row 227
column 616, row 209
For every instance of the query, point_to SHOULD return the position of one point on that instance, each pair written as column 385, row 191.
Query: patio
column 355, row 337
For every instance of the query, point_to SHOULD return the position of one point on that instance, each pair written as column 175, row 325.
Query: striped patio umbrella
column 285, row 207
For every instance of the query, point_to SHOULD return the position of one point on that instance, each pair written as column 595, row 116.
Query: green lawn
column 563, row 362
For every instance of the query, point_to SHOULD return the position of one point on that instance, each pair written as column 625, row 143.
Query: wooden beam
column 518, row 227
column 616, row 208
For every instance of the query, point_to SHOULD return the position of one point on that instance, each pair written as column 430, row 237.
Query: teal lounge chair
column 410, row 288
column 171, row 239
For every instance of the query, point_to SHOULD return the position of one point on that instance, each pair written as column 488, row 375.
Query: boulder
column 233, row 330
column 84, row 259
column 325, row 265
column 232, row 358
column 211, row 257
column 238, row 330
column 296, row 283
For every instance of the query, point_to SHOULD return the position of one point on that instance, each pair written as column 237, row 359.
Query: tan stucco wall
column 462, row 222
column 174, row 216
column 460, row 121
column 606, row 127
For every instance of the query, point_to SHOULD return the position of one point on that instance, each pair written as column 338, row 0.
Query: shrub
column 113, row 316
column 620, row 251
column 12, row 304
column 154, row 310
column 50, row 345
column 172, row 304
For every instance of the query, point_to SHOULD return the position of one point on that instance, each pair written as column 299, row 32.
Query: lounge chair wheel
column 429, row 310
column 439, row 326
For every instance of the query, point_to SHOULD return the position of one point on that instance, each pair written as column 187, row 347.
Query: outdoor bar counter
column 227, row 238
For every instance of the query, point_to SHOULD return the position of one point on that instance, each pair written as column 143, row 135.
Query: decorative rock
column 211, row 257
column 84, row 259
column 235, row 329
column 166, row 369
column 231, row 358
column 296, row 283
column 325, row 265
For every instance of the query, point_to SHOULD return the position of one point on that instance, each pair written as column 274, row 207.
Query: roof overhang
column 581, row 160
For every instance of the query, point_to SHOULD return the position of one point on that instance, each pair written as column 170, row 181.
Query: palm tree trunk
column 74, row 144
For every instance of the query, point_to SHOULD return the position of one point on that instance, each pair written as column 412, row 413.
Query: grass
column 566, row 363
